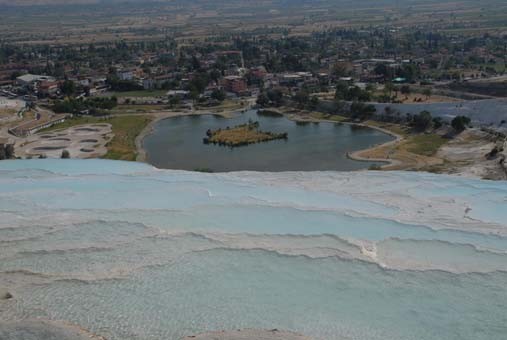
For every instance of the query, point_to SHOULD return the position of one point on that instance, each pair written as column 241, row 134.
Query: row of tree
column 271, row 97
column 351, row 93
column 93, row 105
column 359, row 110
column 423, row 120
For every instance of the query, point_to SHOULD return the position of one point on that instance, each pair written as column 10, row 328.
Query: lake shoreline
column 356, row 155
column 446, row 159
column 392, row 155
column 157, row 117
column 142, row 152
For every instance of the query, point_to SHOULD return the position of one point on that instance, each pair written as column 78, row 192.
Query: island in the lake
column 241, row 135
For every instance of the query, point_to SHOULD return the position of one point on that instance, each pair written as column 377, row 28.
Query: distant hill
column 61, row 2
column 45, row 2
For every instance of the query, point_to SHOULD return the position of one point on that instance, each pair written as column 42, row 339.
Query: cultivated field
column 103, row 22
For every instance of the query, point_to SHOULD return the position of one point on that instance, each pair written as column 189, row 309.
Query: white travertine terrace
column 128, row 251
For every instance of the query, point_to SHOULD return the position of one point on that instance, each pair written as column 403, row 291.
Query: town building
column 29, row 80
column 125, row 74
column 48, row 88
column 234, row 84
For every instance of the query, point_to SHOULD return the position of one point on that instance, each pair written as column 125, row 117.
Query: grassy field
column 395, row 128
column 130, row 108
column 334, row 118
column 414, row 151
column 425, row 144
column 226, row 105
column 125, row 128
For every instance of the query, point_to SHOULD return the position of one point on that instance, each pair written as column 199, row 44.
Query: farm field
column 59, row 22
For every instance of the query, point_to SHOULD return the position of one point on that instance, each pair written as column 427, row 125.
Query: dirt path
column 396, row 155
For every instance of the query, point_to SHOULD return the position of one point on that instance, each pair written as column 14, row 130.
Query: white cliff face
column 133, row 252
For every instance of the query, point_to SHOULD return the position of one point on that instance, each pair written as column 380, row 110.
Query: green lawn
column 395, row 128
column 125, row 130
column 321, row 115
column 127, row 108
column 425, row 144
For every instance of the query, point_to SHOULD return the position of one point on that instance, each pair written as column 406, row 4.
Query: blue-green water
column 176, row 143
column 132, row 252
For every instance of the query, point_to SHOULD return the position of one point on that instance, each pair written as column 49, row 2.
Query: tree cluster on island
column 241, row 135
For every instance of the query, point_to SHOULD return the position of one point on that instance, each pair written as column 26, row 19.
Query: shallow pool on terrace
column 132, row 252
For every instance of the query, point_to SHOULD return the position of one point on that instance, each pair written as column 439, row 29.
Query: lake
column 483, row 112
column 176, row 143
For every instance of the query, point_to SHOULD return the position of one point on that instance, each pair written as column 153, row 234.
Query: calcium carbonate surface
column 128, row 251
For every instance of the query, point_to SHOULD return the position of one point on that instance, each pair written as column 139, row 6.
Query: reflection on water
column 176, row 143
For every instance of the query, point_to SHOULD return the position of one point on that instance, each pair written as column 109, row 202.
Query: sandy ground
column 248, row 334
column 82, row 141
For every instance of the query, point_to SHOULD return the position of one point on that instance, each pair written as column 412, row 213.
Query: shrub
column 65, row 154
column 422, row 121
column 362, row 111
column 437, row 122
column 460, row 123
